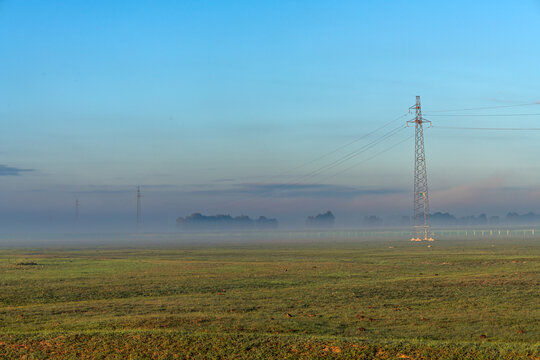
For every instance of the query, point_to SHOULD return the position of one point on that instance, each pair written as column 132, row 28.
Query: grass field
column 351, row 300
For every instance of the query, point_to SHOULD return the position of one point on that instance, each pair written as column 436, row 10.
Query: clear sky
column 224, row 106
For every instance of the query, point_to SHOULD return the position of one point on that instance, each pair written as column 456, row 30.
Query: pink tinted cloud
column 489, row 195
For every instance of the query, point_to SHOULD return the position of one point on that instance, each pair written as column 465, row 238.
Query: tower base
column 424, row 239
column 422, row 233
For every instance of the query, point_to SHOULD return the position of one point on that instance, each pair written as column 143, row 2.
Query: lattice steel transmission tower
column 422, row 230
column 139, row 216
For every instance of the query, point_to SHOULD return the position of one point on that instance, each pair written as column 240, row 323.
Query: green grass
column 374, row 300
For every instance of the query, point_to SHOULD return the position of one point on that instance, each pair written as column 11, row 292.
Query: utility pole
column 422, row 230
column 139, row 218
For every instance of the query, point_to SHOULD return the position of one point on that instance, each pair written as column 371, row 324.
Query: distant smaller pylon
column 139, row 215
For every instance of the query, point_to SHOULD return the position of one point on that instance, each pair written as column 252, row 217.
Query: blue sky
column 212, row 106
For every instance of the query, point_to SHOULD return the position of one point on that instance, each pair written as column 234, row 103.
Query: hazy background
column 211, row 106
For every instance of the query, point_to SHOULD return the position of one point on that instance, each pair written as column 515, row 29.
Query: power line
column 487, row 115
column 485, row 128
column 336, row 162
column 352, row 154
column 370, row 158
column 487, row 107
column 359, row 163
column 342, row 146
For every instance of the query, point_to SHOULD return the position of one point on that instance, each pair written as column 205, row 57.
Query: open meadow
column 385, row 299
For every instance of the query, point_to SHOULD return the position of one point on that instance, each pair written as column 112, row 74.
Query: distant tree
column 482, row 219
column 444, row 219
column 512, row 217
column 197, row 221
column 264, row 223
column 372, row 221
column 515, row 218
column 529, row 218
column 494, row 220
column 325, row 220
